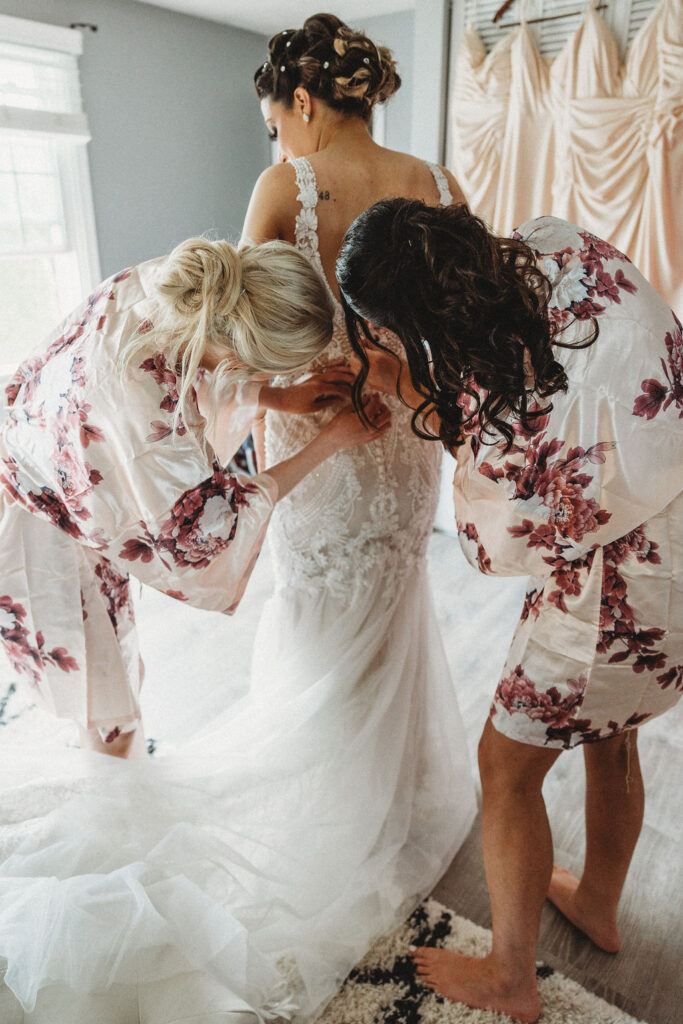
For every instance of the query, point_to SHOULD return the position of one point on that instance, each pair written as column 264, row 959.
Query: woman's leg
column 614, row 815
column 113, row 668
column 125, row 744
column 518, row 860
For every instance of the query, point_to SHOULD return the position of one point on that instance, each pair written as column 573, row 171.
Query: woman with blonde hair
column 108, row 468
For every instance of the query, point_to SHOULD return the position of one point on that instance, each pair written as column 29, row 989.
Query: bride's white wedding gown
column 246, row 872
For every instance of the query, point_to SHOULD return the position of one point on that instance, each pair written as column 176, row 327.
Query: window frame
column 72, row 132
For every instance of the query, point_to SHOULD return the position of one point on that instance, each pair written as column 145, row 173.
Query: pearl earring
column 306, row 118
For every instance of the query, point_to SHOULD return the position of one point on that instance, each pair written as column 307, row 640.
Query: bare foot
column 475, row 982
column 591, row 920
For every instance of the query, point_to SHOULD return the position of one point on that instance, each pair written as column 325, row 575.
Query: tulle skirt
column 239, row 877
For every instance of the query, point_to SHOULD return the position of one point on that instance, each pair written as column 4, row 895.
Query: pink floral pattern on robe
column 99, row 477
column 589, row 504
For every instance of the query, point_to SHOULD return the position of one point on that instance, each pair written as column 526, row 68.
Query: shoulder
column 275, row 180
column 444, row 179
column 143, row 278
column 549, row 234
column 273, row 205
column 426, row 173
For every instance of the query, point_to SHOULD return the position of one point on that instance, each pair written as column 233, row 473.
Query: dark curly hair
column 336, row 64
column 469, row 308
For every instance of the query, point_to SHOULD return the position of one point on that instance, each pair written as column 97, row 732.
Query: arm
column 272, row 207
column 389, row 375
column 314, row 392
column 345, row 431
column 236, row 409
column 258, row 433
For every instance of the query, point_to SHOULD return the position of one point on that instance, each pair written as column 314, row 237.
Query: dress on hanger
column 585, row 137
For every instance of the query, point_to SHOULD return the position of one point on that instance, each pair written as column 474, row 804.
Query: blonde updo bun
column 264, row 305
column 201, row 275
column 335, row 63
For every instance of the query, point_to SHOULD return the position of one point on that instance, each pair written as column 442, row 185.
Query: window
column 48, row 253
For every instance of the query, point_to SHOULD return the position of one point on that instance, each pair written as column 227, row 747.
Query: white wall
column 177, row 137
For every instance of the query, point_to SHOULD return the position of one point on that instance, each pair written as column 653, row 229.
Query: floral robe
column 590, row 504
column 98, row 480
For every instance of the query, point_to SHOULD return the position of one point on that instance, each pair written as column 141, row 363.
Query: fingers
column 372, row 404
column 323, row 401
column 334, row 387
column 340, row 374
column 377, row 412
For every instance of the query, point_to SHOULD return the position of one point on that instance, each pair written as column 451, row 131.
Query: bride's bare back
column 352, row 173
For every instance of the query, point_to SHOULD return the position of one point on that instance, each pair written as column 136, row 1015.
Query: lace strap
column 445, row 197
column 306, row 225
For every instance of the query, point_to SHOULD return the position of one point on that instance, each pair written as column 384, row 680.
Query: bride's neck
column 343, row 133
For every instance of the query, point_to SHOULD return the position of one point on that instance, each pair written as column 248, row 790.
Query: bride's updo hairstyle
column 264, row 305
column 469, row 308
column 333, row 62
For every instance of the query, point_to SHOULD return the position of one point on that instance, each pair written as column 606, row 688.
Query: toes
column 428, row 980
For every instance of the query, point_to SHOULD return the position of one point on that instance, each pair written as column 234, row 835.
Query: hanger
column 534, row 21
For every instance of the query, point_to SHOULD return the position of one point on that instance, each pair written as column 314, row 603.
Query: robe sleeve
column 105, row 456
column 229, row 410
column 591, row 478
column 608, row 457
column 172, row 515
column 203, row 546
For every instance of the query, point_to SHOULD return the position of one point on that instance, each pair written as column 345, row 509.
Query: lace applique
column 364, row 512
column 306, row 224
column 445, row 197
column 306, row 241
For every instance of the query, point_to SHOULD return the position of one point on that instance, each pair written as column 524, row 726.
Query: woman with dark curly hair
column 553, row 371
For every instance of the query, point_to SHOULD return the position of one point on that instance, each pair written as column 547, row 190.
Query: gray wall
column 177, row 137
column 419, row 39
column 397, row 31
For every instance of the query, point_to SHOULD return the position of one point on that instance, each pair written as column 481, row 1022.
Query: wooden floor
column 646, row 977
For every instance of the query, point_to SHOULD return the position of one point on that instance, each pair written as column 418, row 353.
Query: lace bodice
column 365, row 510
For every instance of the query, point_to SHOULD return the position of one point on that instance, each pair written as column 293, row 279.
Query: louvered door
column 624, row 17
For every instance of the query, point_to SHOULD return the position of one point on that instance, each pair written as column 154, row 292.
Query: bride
column 351, row 625
column 241, row 876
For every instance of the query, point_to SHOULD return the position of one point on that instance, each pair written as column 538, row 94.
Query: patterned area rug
column 384, row 987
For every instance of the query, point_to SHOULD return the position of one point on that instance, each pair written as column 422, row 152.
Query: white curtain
column 585, row 136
